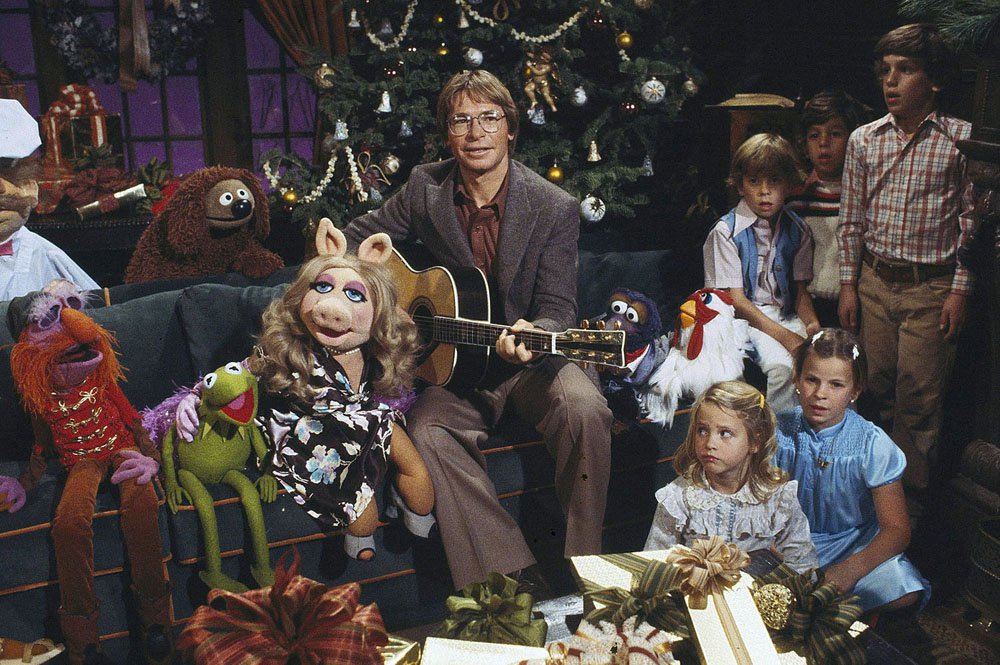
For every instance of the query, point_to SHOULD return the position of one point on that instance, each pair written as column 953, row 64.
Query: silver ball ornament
column 592, row 209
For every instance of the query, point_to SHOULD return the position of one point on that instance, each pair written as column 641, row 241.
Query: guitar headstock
column 601, row 347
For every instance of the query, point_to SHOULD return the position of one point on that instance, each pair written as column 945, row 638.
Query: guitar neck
column 480, row 333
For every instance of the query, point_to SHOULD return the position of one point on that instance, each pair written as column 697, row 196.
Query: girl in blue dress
column 849, row 473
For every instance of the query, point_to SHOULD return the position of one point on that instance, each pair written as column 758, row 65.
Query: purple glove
column 186, row 419
column 136, row 465
column 12, row 493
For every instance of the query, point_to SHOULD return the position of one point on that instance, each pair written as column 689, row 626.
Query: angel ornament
column 538, row 69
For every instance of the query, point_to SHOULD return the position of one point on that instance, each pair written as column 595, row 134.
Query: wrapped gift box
column 439, row 651
column 400, row 651
column 51, row 183
column 90, row 131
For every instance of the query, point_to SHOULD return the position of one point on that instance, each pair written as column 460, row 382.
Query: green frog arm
column 176, row 495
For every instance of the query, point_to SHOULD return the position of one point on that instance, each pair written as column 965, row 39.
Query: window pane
column 146, row 110
column 187, row 156
column 301, row 104
column 15, row 46
column 265, row 103
column 146, row 150
column 303, row 148
column 260, row 146
column 13, row 4
column 109, row 95
column 262, row 49
column 184, row 105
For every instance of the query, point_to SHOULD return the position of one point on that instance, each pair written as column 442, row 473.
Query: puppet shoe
column 264, row 575
column 219, row 580
column 361, row 548
column 419, row 525
column 13, row 652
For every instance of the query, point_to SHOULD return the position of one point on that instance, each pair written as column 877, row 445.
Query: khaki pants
column 909, row 363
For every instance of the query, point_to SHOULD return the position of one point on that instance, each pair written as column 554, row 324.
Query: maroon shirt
column 481, row 224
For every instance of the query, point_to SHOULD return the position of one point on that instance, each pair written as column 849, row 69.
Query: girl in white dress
column 726, row 484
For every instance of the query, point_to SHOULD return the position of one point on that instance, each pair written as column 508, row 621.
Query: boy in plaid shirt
column 906, row 206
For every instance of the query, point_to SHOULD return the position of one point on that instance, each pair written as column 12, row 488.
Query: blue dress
column 838, row 499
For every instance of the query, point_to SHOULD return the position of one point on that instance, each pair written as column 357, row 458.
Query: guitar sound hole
column 423, row 316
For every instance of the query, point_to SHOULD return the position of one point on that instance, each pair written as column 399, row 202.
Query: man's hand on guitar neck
column 510, row 349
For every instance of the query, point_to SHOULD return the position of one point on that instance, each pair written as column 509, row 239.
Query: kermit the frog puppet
column 218, row 454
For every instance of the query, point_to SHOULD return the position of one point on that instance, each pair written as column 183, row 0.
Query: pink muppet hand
column 186, row 419
column 11, row 494
column 136, row 465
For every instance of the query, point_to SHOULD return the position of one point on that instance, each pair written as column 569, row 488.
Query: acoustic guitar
column 452, row 310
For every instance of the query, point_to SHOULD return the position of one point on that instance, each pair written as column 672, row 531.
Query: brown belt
column 909, row 273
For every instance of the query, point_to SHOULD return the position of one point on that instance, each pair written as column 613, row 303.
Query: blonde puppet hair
column 287, row 350
column 747, row 403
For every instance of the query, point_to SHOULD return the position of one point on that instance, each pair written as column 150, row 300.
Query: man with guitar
column 484, row 210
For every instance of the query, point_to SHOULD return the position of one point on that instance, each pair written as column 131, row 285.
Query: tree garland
column 175, row 37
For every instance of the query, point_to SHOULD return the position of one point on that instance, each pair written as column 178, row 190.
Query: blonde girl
column 726, row 484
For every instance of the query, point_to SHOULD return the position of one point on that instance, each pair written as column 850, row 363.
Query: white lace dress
column 687, row 511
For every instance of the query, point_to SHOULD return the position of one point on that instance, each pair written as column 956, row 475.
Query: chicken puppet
column 214, row 223
column 708, row 345
column 645, row 348
column 67, row 372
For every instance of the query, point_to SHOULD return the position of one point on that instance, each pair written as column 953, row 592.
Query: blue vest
column 789, row 227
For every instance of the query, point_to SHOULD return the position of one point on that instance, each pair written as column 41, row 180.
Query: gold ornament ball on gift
column 390, row 164
column 775, row 603
column 290, row 197
column 442, row 50
column 555, row 174
column 624, row 39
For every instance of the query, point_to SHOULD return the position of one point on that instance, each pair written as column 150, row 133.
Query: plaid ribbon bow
column 296, row 619
column 649, row 599
column 493, row 611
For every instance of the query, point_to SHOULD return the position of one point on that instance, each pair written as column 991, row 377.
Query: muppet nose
column 242, row 209
column 331, row 314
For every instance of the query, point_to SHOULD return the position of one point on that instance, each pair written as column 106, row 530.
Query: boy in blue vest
column 762, row 255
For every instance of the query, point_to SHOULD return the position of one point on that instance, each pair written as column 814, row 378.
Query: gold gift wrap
column 400, row 651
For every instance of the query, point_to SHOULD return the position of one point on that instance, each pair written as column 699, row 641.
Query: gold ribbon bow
column 707, row 567
column 493, row 611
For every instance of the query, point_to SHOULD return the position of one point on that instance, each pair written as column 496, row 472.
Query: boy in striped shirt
column 906, row 206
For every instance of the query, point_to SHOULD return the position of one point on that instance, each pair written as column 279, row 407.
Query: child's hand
column 841, row 575
column 847, row 308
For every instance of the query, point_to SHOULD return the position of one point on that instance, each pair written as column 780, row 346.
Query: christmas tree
column 599, row 84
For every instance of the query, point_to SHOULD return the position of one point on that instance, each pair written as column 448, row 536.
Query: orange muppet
column 67, row 372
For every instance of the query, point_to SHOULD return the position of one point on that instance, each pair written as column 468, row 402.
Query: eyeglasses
column 459, row 125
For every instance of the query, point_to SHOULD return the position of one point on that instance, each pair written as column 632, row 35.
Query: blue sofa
column 171, row 333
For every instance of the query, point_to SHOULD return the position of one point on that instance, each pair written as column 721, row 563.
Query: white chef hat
column 18, row 131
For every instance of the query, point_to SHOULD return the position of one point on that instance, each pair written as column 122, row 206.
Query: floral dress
column 331, row 454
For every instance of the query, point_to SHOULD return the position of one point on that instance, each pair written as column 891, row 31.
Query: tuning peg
column 585, row 365
column 600, row 324
column 585, row 324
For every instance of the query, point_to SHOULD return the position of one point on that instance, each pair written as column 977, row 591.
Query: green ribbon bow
column 649, row 599
column 819, row 620
column 493, row 611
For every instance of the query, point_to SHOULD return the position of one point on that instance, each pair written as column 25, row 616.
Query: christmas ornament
column 290, row 198
column 385, row 30
column 375, row 195
column 597, row 21
column 439, row 19
column 592, row 209
column 323, row 76
column 628, row 107
column 579, row 97
column 390, row 164
column 340, row 130
column 624, row 39
column 643, row 4
column 393, row 70
column 647, row 166
column 385, row 106
column 473, row 57
column 536, row 114
column 653, row 91
column 354, row 22
column 442, row 50
column 690, row 88
column 404, row 130
column 537, row 70
column 592, row 154
column 555, row 174
column 463, row 21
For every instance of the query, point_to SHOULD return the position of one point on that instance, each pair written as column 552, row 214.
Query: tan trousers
column 566, row 407
column 909, row 363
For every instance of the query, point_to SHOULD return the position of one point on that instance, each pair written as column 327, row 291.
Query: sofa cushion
column 220, row 322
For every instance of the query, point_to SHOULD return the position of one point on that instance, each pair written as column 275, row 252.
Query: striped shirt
column 817, row 202
column 906, row 200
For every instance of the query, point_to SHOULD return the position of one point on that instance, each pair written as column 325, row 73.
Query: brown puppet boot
column 83, row 646
column 157, row 639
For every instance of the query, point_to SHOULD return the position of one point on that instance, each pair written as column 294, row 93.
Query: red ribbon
column 95, row 184
column 294, row 618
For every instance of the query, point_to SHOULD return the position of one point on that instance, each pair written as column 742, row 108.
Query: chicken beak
column 687, row 315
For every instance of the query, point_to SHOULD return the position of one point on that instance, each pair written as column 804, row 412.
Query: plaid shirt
column 906, row 200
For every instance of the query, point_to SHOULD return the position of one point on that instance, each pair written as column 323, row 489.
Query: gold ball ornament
column 555, row 174
column 289, row 199
column 624, row 39
column 690, row 88
column 442, row 50
column 391, row 164
column 323, row 76
column 439, row 19
column 775, row 602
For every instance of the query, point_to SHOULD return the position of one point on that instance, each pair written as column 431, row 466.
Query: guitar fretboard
column 478, row 333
